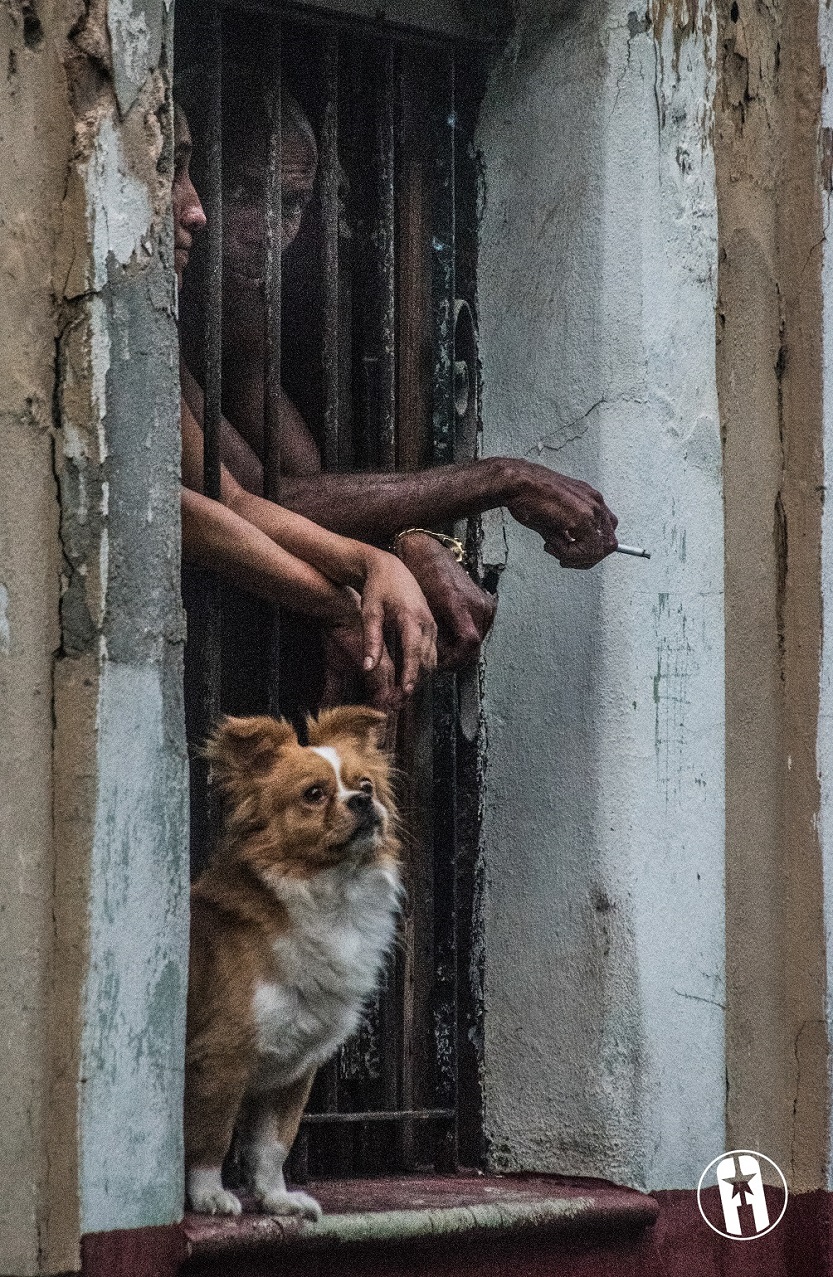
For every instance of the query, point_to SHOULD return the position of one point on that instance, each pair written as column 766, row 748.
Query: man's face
column 187, row 209
column 244, row 225
column 298, row 168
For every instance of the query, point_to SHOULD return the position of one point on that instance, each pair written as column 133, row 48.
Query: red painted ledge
column 134, row 1252
column 475, row 1226
column 412, row 1209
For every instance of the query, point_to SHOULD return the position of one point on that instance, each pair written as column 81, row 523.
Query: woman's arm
column 342, row 559
column 391, row 598
column 216, row 537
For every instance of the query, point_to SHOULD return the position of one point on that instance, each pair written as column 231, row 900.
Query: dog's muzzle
column 367, row 813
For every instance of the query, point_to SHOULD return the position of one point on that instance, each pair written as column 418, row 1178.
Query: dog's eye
column 366, row 785
column 315, row 794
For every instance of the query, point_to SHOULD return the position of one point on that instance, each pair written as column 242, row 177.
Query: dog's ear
column 368, row 727
column 246, row 746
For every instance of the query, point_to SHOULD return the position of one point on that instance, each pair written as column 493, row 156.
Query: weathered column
column 30, row 564
column 93, row 832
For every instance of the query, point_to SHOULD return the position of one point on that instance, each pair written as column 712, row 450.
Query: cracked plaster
column 604, row 1047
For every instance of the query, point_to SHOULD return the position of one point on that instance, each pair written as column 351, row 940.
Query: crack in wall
column 546, row 445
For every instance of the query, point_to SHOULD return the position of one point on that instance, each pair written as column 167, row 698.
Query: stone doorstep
column 430, row 1208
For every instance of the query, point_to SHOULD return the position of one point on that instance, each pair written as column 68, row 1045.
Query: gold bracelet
column 451, row 543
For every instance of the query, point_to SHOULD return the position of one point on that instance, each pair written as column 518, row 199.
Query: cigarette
column 635, row 550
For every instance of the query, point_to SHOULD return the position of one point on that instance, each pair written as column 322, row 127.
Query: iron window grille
column 366, row 348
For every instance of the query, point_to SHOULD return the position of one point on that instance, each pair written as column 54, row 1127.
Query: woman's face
column 188, row 213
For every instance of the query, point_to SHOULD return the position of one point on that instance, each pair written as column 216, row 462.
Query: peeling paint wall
column 604, row 823
column 92, row 763
column 134, row 992
column 117, row 466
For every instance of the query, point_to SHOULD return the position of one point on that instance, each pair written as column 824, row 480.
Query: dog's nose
column 360, row 803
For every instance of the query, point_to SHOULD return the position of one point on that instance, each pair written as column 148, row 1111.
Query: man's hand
column 577, row 527
column 394, row 606
column 464, row 613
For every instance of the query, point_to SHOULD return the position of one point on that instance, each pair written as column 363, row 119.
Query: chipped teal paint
column 663, row 603
column 135, row 28
column 678, row 542
column 164, row 1006
column 677, row 664
column 134, row 997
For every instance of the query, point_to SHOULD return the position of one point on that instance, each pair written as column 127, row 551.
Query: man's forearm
column 367, row 506
column 340, row 559
column 379, row 505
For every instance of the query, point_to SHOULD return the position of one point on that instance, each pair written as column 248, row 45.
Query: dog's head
column 296, row 809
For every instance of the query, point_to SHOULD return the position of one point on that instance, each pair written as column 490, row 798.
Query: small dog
column 290, row 926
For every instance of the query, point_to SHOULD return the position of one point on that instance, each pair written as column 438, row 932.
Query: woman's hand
column 344, row 662
column 394, row 607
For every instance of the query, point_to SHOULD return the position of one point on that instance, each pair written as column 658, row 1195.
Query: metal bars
column 375, row 203
column 379, row 279
column 206, row 621
column 414, row 450
column 382, row 423
column 213, row 409
column 330, row 218
column 272, row 278
column 404, row 277
column 329, row 180
column 437, row 125
column 380, row 1115
column 382, row 239
column 441, row 124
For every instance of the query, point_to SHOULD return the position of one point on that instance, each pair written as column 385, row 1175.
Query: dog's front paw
column 207, row 1195
column 299, row 1204
column 219, row 1203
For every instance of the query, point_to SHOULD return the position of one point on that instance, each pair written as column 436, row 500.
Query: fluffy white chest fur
column 342, row 924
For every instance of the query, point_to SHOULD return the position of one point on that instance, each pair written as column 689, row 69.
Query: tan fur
column 277, row 832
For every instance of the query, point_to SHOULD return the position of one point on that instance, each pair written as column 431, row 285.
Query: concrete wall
column 93, row 832
column 604, row 823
